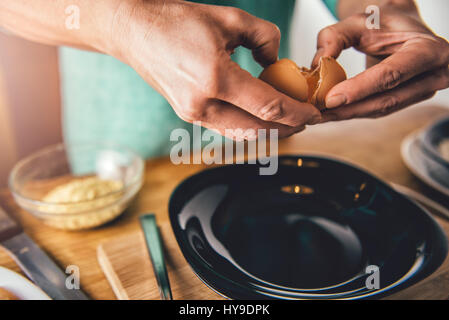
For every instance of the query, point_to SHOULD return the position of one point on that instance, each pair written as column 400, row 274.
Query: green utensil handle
column 156, row 252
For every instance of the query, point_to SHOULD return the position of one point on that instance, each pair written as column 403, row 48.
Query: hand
column 414, row 64
column 184, row 52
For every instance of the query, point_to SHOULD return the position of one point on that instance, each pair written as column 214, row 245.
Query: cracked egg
column 304, row 84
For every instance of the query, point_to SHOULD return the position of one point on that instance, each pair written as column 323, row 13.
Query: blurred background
column 30, row 113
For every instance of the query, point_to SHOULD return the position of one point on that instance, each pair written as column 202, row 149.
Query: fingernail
column 299, row 129
column 328, row 116
column 314, row 120
column 335, row 101
column 316, row 58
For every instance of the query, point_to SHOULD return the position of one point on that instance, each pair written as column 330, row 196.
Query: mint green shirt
column 106, row 100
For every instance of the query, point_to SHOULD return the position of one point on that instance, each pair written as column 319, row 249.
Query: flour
column 83, row 203
column 79, row 190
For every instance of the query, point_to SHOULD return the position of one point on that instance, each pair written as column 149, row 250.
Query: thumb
column 333, row 39
column 261, row 37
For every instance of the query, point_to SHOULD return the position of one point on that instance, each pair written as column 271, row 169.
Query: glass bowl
column 77, row 186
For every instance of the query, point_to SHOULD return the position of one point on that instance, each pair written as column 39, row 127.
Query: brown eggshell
column 285, row 76
column 330, row 74
column 302, row 83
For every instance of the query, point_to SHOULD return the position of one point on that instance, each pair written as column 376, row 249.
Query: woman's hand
column 183, row 50
column 414, row 64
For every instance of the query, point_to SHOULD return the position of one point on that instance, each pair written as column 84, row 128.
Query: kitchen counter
column 371, row 144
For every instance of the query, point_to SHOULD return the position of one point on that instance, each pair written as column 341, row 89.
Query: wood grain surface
column 372, row 144
column 127, row 266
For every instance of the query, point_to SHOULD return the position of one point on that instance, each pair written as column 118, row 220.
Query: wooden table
column 372, row 144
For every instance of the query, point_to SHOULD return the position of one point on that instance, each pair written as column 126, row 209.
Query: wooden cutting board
column 127, row 266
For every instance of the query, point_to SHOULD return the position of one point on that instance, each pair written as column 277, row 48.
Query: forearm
column 84, row 24
column 346, row 8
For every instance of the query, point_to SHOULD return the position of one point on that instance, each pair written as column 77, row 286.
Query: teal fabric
column 106, row 100
column 332, row 6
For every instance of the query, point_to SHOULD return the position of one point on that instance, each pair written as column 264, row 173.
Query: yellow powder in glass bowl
column 83, row 203
column 82, row 190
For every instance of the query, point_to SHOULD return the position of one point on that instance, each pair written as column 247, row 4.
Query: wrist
column 129, row 24
column 105, row 15
column 404, row 6
column 346, row 8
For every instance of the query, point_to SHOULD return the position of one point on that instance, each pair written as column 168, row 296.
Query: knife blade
column 36, row 264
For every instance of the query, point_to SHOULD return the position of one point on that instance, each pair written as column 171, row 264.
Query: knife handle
column 156, row 252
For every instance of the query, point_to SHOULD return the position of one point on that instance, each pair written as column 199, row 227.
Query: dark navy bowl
column 317, row 229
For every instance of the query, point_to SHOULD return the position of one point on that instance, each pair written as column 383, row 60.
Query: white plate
column 20, row 286
column 422, row 166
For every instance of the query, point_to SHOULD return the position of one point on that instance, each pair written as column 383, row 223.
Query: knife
column 156, row 252
column 34, row 262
